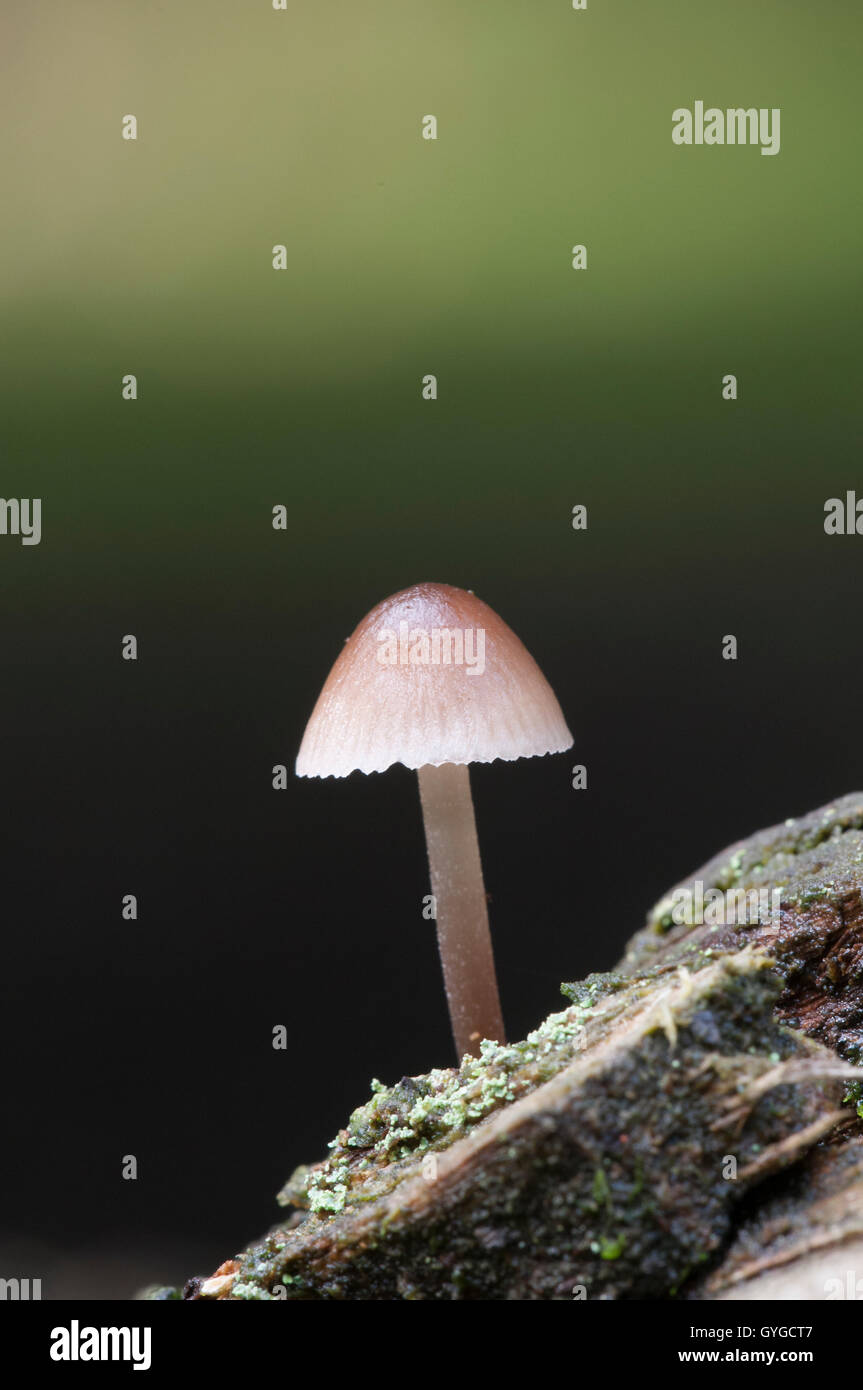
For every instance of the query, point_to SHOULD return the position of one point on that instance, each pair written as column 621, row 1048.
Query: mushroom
column 434, row 679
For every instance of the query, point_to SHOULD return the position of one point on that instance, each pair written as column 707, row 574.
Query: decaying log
column 804, row 1239
column 669, row 1134
column 815, row 865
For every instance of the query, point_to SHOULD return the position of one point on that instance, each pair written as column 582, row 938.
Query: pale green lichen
column 419, row 1115
column 327, row 1188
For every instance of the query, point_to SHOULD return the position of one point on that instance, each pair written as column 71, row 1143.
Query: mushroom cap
column 393, row 697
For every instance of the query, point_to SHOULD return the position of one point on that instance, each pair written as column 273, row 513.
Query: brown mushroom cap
column 392, row 696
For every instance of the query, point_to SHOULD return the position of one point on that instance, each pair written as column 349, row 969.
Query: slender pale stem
column 462, row 914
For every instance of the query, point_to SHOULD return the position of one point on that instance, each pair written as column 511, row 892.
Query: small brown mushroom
column 434, row 679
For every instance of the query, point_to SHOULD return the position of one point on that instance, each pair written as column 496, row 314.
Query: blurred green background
column 303, row 387
column 405, row 257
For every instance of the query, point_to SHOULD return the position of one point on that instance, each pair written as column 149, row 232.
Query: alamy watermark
column 21, row 516
column 736, row 125
column 844, row 515
column 20, row 1290
column 437, row 646
column 850, row 1288
column 696, row 906
column 77, row 1343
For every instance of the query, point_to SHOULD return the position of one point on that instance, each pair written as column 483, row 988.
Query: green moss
column 854, row 1096
column 585, row 993
column 611, row 1249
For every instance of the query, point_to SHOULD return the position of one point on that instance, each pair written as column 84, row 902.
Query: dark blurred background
column 405, row 257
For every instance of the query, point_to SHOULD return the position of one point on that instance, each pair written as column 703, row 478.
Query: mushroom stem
column 462, row 914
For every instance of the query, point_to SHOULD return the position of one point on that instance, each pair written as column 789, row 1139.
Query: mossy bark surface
column 814, row 864
column 622, row 1149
